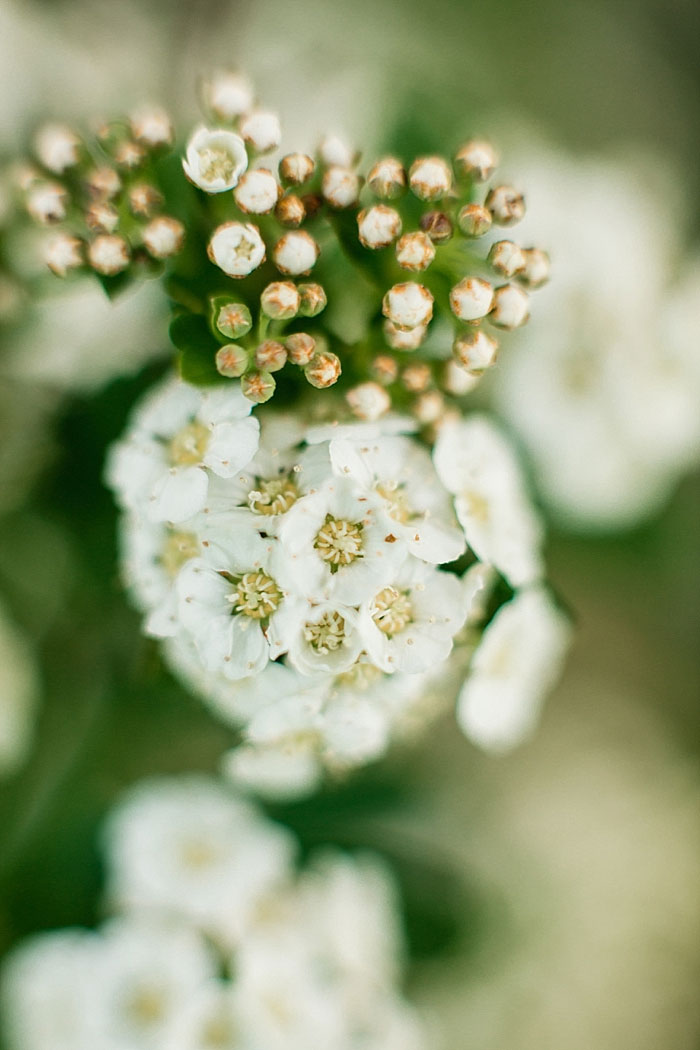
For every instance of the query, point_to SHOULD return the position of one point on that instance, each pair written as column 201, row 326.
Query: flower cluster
column 216, row 941
column 311, row 581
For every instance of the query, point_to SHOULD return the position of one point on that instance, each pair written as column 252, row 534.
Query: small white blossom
column 152, row 126
column 57, row 147
column 163, row 237
column 215, row 159
column 408, row 305
column 228, row 94
column 378, row 226
column 387, row 178
column 475, row 351
column 477, row 160
column 261, row 130
column 295, row 253
column 404, row 339
column 430, row 178
column 511, row 307
column 63, row 253
column 340, row 186
column 368, row 401
column 471, row 299
column 335, row 152
column 237, row 248
column 257, row 192
column 415, row 251
column 109, row 254
column 46, row 202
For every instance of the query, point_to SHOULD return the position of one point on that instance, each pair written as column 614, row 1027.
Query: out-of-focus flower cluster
column 216, row 940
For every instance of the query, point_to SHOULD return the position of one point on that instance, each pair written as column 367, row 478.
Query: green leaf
column 197, row 358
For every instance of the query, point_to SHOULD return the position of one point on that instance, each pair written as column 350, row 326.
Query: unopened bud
column 152, row 126
column 295, row 253
column 340, row 187
column 296, row 168
column 474, row 220
column 323, row 370
column 261, row 130
column 46, row 202
column 237, row 248
column 537, row 268
column 280, row 300
column 290, row 210
column 144, row 199
column 232, row 361
column 129, row 155
column 102, row 217
column 270, row 356
column 233, row 320
column 63, row 253
column 378, row 226
column 57, row 147
column 408, row 305
column 109, row 254
column 385, row 369
column 368, row 401
column 300, row 347
column 258, row 386
column 437, row 225
column 104, row 183
column 506, row 204
column 257, row 191
column 335, row 152
column 416, row 378
column 476, row 160
column 404, row 339
column 429, row 407
column 387, row 179
column 430, row 178
column 475, row 351
column 313, row 202
column 163, row 237
column 511, row 307
column 506, row 258
column 313, row 299
column 457, row 381
column 227, row 94
column 471, row 299
column 415, row 251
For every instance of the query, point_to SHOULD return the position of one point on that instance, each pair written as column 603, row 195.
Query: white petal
column 178, row 495
column 232, row 446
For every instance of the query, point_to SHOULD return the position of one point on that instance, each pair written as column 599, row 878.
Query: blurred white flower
column 215, row 159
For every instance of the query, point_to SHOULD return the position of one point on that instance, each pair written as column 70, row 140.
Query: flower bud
column 129, row 155
column 387, row 179
column 296, row 168
column 290, row 210
column 104, row 183
column 46, row 202
column 416, row 378
column 63, row 253
column 313, row 299
column 537, row 268
column 475, row 351
column 109, row 254
column 437, row 225
column 313, row 202
column 385, row 369
column 474, row 220
column 258, row 386
column 231, row 360
column 233, row 320
column 457, row 381
column 408, row 305
column 237, row 248
column 270, row 356
column 506, row 204
column 151, row 125
column 378, row 226
column 340, row 187
column 335, row 152
column 471, row 299
column 102, row 218
column 280, row 300
column 476, row 160
column 430, row 178
column 295, row 253
column 511, row 307
column 214, row 160
column 257, row 191
column 429, row 407
column 368, row 401
column 300, row 347
column 261, row 130
column 506, row 258
column 144, row 199
column 227, row 95
column 323, row 370
column 415, row 251
column 57, row 147
column 163, row 237
column 404, row 339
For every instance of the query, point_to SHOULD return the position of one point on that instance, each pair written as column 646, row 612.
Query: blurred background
column 552, row 894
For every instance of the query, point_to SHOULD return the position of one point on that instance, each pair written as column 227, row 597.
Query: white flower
column 368, row 401
column 476, row 159
column 295, row 253
column 257, row 191
column 163, row 236
column 378, row 226
column 335, row 152
column 340, row 186
column 57, row 147
column 324, row 639
column 215, row 159
column 408, row 305
column 471, row 298
column 387, row 178
column 63, row 253
column 46, row 202
column 152, row 126
column 415, row 251
column 261, row 130
column 237, row 248
column 475, row 351
column 515, row 665
column 228, row 94
column 430, row 178
column 179, row 436
column 109, row 254
column 511, row 307
column 474, row 461
column 280, row 773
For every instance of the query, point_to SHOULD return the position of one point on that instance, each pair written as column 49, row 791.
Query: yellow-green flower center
column 397, row 501
column 360, row 676
column 256, row 595
column 179, row 547
column 339, row 542
column 189, row 445
column 274, row 496
column 215, row 162
column 327, row 634
column 392, row 611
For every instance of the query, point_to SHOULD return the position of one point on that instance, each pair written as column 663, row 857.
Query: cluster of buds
column 102, row 196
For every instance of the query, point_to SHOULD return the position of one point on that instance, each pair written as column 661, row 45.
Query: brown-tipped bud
column 257, row 192
column 323, row 370
column 378, row 226
column 232, row 361
column 429, row 407
column 270, row 356
column 46, row 202
column 313, row 299
column 368, row 401
column 474, row 220
column 296, row 168
column 385, row 369
column 290, row 210
column 163, row 237
column 437, row 225
column 129, row 155
column 152, row 126
column 101, row 217
column 506, row 204
column 430, row 178
column 456, row 380
column 104, row 183
column 387, row 179
column 63, row 253
column 227, row 94
column 295, row 253
column 476, row 160
column 57, row 147
column 471, row 299
column 258, row 386
column 233, row 320
column 340, row 187
column 475, row 351
column 301, row 348
column 404, row 339
column 280, row 301
column 511, row 307
column 416, row 378
column 261, row 130
column 144, row 200
column 109, row 254
column 415, row 251
column 313, row 202
column 408, row 305
column 537, row 268
column 506, row 258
